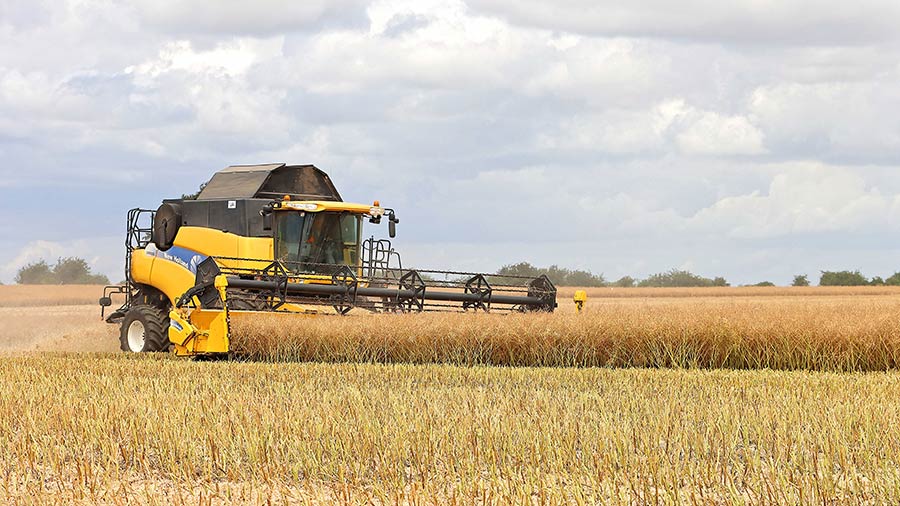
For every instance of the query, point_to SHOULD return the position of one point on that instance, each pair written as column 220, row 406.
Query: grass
column 827, row 333
column 157, row 430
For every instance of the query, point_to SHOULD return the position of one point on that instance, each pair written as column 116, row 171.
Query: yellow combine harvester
column 278, row 238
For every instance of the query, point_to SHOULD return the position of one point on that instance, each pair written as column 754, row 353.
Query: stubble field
column 670, row 402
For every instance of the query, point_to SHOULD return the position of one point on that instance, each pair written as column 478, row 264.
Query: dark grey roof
column 273, row 180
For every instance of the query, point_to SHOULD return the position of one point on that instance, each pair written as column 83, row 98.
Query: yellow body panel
column 172, row 272
column 207, row 332
column 141, row 266
column 166, row 276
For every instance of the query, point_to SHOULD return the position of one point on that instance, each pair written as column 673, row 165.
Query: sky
column 752, row 139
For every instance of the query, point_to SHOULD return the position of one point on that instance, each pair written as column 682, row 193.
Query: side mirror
column 105, row 301
column 392, row 224
column 266, row 213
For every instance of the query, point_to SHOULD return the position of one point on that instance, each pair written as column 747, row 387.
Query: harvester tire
column 144, row 329
column 166, row 222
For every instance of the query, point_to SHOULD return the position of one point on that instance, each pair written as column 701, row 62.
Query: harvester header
column 279, row 238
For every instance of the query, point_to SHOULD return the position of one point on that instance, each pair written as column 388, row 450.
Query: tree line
column 562, row 276
column 676, row 278
column 74, row 270
column 66, row 271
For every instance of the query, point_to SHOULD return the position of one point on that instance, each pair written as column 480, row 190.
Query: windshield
column 306, row 241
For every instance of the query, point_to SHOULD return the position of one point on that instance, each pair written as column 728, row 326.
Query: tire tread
column 156, row 325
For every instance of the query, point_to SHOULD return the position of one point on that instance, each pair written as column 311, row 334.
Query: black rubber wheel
column 166, row 223
column 144, row 329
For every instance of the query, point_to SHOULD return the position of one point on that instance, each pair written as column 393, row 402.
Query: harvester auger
column 278, row 239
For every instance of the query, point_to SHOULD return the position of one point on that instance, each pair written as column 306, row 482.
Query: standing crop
column 837, row 333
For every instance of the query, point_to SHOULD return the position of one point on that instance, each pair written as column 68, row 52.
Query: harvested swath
column 152, row 430
column 853, row 333
column 56, row 328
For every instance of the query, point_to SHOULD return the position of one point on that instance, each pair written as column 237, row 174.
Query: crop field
column 670, row 396
column 850, row 331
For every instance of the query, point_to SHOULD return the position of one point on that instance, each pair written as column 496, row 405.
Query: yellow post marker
column 580, row 298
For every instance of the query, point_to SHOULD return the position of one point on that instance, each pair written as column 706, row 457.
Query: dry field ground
column 696, row 418
column 110, row 429
column 53, row 318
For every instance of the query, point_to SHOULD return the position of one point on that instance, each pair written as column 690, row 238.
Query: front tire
column 144, row 329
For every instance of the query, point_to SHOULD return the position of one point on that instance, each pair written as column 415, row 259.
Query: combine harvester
column 278, row 239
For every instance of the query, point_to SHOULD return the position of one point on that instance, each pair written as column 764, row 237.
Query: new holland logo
column 182, row 256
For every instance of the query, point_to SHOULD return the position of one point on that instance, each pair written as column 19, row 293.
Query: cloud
column 261, row 18
column 183, row 103
column 602, row 72
column 228, row 59
column 785, row 22
column 622, row 132
column 443, row 42
column 804, row 199
column 714, row 134
column 835, row 121
column 667, row 126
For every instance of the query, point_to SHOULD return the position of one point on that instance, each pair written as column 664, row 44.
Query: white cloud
column 616, row 132
column 229, row 59
column 606, row 73
column 236, row 16
column 786, row 21
column 183, row 103
column 452, row 50
column 848, row 120
column 669, row 125
column 36, row 97
column 714, row 134
column 804, row 198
